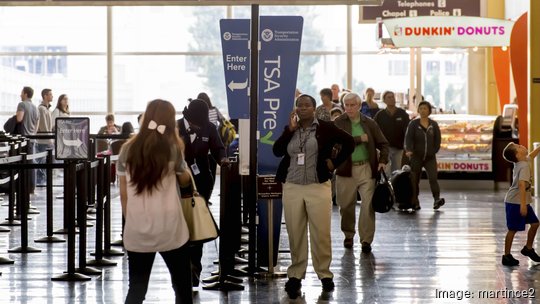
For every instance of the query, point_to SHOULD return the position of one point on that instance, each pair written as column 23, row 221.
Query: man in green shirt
column 358, row 173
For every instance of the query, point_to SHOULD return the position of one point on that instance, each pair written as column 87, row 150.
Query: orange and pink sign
column 449, row 31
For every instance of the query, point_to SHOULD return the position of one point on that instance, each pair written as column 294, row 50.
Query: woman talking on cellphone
column 148, row 165
column 305, row 170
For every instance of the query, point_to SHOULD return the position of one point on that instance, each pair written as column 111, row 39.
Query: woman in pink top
column 148, row 166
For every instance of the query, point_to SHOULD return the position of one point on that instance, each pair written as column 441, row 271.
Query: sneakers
column 366, row 247
column 530, row 253
column 438, row 203
column 348, row 243
column 509, row 260
column 327, row 284
column 292, row 287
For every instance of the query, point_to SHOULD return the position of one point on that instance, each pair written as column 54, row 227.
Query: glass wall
column 174, row 52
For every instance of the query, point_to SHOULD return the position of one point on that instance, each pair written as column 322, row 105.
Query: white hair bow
column 152, row 125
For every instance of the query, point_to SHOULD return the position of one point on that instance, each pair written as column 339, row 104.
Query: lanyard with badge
column 301, row 157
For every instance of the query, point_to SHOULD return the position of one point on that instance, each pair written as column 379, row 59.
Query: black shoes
column 292, row 287
column 530, row 253
column 509, row 260
column 366, row 247
column 438, row 203
column 328, row 284
column 348, row 243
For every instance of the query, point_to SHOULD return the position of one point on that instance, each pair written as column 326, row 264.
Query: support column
column 495, row 9
column 349, row 48
column 110, row 62
column 534, row 73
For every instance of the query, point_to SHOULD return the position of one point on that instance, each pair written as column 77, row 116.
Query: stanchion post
column 98, row 253
column 69, row 200
column 10, row 220
column 23, row 206
column 107, row 251
column 81, row 219
column 50, row 238
column 224, row 280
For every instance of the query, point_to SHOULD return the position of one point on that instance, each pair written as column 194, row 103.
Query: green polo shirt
column 360, row 151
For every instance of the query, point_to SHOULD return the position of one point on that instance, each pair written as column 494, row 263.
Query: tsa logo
column 398, row 30
column 267, row 35
column 227, row 36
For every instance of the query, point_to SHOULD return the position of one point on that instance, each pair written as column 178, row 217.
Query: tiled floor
column 426, row 257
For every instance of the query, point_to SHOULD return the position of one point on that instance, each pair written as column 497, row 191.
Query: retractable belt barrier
column 78, row 179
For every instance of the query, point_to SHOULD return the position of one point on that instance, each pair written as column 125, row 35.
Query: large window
column 61, row 48
column 445, row 80
column 176, row 55
column 174, row 52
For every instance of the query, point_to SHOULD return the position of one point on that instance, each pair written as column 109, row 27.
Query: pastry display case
column 466, row 142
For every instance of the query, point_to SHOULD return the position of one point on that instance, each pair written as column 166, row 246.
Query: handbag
column 201, row 224
column 383, row 196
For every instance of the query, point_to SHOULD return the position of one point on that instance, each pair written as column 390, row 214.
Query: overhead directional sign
column 235, row 35
column 416, row 8
column 72, row 138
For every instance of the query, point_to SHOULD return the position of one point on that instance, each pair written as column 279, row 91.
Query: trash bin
column 536, row 172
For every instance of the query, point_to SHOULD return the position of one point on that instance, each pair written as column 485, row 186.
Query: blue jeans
column 41, row 174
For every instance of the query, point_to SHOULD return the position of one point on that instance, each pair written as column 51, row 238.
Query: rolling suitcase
column 401, row 182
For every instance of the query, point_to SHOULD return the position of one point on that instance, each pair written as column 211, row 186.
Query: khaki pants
column 311, row 205
column 347, row 187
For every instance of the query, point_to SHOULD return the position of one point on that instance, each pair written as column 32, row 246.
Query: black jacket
column 393, row 126
column 424, row 143
column 327, row 135
column 207, row 140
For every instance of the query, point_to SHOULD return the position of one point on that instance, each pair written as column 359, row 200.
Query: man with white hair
column 358, row 172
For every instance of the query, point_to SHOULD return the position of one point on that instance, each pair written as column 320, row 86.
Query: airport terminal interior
column 423, row 257
column 114, row 57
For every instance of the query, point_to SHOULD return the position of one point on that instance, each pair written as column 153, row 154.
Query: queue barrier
column 78, row 178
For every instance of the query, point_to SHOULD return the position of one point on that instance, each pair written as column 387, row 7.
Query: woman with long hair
column 148, row 165
column 61, row 110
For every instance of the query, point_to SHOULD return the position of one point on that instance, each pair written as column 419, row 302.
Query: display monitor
column 509, row 116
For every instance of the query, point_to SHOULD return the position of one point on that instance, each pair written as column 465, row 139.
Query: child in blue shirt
column 518, row 198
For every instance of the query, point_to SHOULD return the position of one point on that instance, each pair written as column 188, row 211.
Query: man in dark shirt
column 393, row 122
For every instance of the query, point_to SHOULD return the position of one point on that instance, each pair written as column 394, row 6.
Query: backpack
column 383, row 196
column 226, row 131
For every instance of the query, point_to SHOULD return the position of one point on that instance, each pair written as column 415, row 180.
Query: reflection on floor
column 424, row 257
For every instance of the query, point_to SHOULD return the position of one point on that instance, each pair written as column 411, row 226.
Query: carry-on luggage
column 401, row 182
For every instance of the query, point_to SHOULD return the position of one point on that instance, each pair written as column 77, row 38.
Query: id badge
column 301, row 159
column 195, row 169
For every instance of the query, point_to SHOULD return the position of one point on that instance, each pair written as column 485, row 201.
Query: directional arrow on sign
column 76, row 143
column 237, row 85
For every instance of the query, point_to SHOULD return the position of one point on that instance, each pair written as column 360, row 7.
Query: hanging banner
column 280, row 40
column 416, row 8
column 449, row 31
column 235, row 34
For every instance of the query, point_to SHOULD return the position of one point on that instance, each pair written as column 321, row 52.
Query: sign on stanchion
column 72, row 138
column 268, row 188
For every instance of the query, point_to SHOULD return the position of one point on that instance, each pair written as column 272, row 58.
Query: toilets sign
column 72, row 138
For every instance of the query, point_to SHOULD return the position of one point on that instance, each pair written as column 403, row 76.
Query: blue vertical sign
column 235, row 34
column 280, row 38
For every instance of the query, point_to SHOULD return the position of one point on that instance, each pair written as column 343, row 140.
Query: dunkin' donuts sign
column 449, row 31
